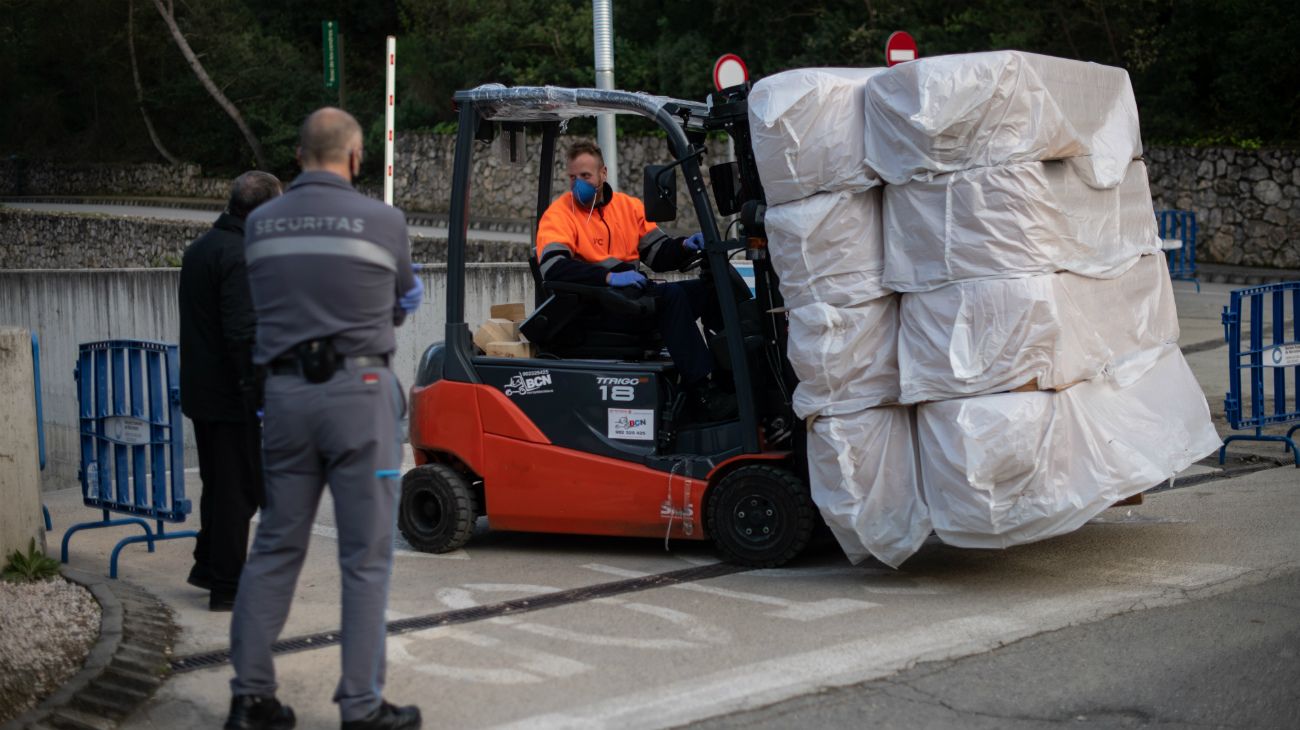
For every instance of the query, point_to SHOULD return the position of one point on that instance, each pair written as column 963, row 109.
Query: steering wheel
column 694, row 262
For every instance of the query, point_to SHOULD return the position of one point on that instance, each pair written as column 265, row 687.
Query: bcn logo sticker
column 631, row 424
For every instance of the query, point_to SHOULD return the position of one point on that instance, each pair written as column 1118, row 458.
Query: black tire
column 437, row 511
column 760, row 516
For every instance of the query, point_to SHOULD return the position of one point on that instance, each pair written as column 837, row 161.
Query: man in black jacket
column 219, row 390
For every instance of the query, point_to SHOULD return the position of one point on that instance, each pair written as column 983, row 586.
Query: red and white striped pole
column 389, row 90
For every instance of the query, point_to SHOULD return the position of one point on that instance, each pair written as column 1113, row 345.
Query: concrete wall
column 1247, row 202
column 66, row 308
column 20, row 467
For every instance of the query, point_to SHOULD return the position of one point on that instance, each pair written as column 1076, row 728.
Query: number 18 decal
column 617, row 389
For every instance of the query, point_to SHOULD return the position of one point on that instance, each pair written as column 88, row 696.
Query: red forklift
column 590, row 435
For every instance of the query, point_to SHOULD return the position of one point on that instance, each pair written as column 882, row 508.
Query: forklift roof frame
column 550, row 106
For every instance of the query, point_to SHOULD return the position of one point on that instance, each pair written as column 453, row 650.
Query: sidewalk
column 1206, row 538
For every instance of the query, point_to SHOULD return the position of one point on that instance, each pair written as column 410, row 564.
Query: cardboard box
column 509, row 349
column 496, row 330
column 513, row 311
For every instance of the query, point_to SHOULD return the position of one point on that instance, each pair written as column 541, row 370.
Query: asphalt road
column 1230, row 661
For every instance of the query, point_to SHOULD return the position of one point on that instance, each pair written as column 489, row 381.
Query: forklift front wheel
column 437, row 512
column 761, row 516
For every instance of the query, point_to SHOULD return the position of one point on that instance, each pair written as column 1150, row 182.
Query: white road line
column 773, row 680
column 793, row 610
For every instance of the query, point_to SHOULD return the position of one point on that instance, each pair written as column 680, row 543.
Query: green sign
column 329, row 31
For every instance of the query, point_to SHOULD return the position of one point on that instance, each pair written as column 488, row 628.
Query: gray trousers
column 341, row 432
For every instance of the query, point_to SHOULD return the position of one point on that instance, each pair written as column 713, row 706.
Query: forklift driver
column 595, row 236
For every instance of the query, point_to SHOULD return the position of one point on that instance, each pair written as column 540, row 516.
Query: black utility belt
column 290, row 366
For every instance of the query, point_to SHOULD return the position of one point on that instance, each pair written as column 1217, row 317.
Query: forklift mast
column 681, row 121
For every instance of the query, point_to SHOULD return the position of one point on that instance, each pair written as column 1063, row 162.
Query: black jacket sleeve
column 238, row 319
column 563, row 267
column 662, row 252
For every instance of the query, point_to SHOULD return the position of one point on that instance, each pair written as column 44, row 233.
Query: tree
column 168, row 15
column 139, row 90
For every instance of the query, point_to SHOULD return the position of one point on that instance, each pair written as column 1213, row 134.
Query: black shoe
column 711, row 403
column 387, row 717
column 199, row 579
column 218, row 601
column 255, row 712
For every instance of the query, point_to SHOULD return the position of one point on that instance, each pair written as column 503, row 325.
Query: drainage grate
column 209, row 659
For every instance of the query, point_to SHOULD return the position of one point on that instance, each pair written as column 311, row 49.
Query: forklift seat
column 570, row 321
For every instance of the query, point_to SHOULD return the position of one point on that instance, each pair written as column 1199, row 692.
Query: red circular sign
column 729, row 71
column 900, row 47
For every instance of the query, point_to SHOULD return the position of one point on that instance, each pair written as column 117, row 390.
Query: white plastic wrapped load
column 1014, row 220
column 1044, row 331
column 807, row 131
column 1002, row 470
column 846, row 358
column 864, row 477
column 828, row 248
column 949, row 113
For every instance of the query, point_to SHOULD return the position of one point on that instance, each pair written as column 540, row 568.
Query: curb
column 127, row 663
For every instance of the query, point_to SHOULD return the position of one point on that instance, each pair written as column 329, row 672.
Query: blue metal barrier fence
column 1178, row 238
column 40, row 419
column 132, row 451
column 1270, row 359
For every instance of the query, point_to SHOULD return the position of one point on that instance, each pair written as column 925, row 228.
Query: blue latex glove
column 695, row 242
column 627, row 278
column 410, row 301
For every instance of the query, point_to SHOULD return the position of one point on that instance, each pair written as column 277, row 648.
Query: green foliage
column 30, row 567
column 1201, row 69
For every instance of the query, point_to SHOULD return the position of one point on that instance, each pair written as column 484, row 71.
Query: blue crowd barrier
column 1270, row 359
column 1179, row 226
column 132, row 439
column 40, row 419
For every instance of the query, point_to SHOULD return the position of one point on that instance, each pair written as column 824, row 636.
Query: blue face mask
column 584, row 192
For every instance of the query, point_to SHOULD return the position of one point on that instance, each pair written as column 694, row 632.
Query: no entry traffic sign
column 900, row 47
column 729, row 71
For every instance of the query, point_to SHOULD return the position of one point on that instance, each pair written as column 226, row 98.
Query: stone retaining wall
column 37, row 240
column 1247, row 203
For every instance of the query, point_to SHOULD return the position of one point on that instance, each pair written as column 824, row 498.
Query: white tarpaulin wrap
column 807, row 129
column 828, row 248
column 1002, row 470
column 865, row 480
column 996, row 335
column 1014, row 220
column 846, row 358
column 949, row 113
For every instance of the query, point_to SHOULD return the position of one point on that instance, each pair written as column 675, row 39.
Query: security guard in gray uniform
column 330, row 274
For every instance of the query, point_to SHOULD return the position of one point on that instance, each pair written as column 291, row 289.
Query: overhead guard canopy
column 555, row 104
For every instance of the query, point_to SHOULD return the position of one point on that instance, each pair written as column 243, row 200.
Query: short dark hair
column 585, row 147
column 251, row 190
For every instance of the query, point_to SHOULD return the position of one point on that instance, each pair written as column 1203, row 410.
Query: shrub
column 29, row 568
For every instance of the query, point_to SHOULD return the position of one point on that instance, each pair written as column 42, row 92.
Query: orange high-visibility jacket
column 611, row 235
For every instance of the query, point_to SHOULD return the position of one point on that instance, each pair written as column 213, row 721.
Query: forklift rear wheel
column 761, row 516
column 437, row 512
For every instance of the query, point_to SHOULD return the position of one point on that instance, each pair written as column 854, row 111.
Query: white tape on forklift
column 948, row 113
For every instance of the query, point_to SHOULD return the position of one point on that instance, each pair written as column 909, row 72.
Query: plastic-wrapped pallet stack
column 825, row 236
column 1036, row 328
